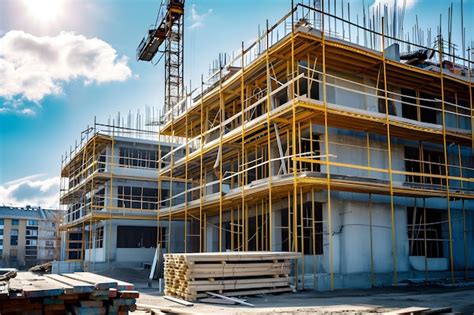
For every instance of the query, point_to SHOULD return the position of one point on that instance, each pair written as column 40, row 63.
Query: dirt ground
column 377, row 300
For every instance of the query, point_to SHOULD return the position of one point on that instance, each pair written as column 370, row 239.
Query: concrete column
column 212, row 238
column 276, row 230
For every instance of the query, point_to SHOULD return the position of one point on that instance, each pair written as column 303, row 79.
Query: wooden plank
column 53, row 294
column 89, row 310
column 99, row 284
column 205, row 276
column 128, row 294
column 257, row 291
column 121, row 285
column 119, row 302
column 238, row 281
column 216, row 274
column 97, row 293
column 179, row 301
column 67, row 288
column 234, row 265
column 235, row 256
column 231, row 299
column 35, row 286
column 263, row 281
column 78, row 286
column 217, row 301
column 231, row 287
column 154, row 264
column 54, row 307
column 86, row 303
column 113, row 293
column 188, row 276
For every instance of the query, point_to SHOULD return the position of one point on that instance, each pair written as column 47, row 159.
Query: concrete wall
column 110, row 253
column 361, row 247
column 66, row 266
column 352, row 248
column 137, row 255
column 95, row 254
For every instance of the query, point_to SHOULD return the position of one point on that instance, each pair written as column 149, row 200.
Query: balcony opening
column 428, row 110
column 392, row 110
column 312, row 241
column 309, row 145
column 313, row 89
column 425, row 234
column 409, row 108
column 139, row 236
column 429, row 164
column 138, row 158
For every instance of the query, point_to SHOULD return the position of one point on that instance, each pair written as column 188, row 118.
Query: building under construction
column 324, row 137
column 111, row 192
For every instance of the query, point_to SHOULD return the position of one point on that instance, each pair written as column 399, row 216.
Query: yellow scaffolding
column 244, row 130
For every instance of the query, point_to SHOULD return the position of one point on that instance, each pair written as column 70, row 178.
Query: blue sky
column 38, row 125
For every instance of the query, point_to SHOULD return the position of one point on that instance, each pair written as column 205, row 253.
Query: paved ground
column 310, row 302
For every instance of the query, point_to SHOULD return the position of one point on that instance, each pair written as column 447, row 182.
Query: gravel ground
column 377, row 300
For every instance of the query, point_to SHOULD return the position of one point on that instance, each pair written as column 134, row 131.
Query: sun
column 44, row 10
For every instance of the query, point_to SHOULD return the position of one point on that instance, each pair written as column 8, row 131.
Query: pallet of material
column 74, row 293
column 190, row 276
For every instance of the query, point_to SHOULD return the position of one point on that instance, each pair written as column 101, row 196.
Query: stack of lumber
column 73, row 293
column 190, row 276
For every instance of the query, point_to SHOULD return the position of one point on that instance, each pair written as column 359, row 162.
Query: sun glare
column 44, row 10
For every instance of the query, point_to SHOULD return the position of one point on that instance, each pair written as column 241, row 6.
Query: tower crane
column 168, row 31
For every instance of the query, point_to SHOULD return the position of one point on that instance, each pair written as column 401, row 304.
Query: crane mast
column 168, row 31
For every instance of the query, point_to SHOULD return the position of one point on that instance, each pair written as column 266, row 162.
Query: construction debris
column 179, row 301
column 235, row 300
column 42, row 269
column 217, row 301
column 193, row 276
column 75, row 293
column 154, row 309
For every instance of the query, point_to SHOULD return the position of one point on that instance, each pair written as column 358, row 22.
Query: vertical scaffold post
column 159, row 234
column 269, row 157
column 221, row 148
column 446, row 165
column 186, row 175
column 202, row 227
column 293, row 142
column 389, row 151
column 326, row 148
column 243, row 152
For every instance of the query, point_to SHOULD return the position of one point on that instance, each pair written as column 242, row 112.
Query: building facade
column 28, row 236
column 111, row 194
column 355, row 151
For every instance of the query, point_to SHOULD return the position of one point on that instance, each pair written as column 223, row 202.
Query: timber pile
column 190, row 276
column 74, row 293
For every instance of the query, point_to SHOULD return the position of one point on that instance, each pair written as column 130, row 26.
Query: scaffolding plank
column 121, row 285
column 99, row 284
column 77, row 285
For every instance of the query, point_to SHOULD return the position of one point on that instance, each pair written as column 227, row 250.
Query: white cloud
column 28, row 112
column 32, row 67
column 391, row 3
column 34, row 190
column 197, row 20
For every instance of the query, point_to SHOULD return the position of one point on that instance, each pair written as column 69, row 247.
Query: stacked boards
column 73, row 293
column 190, row 276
